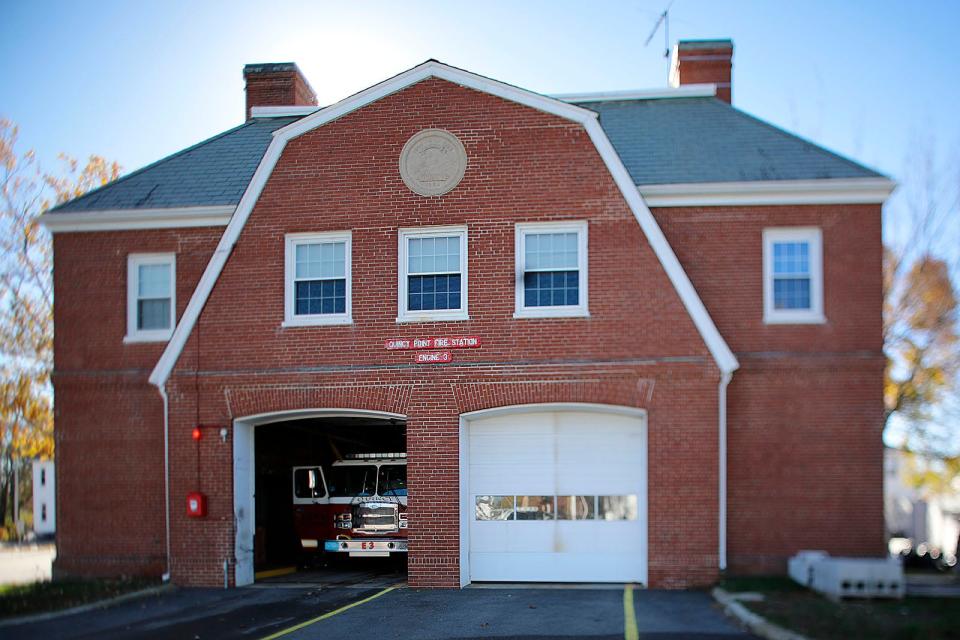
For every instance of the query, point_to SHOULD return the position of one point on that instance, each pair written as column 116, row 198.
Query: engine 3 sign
column 434, row 357
column 447, row 342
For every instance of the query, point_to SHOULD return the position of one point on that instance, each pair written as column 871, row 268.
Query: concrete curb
column 756, row 624
column 90, row 606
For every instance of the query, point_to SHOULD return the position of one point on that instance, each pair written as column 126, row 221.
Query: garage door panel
column 563, row 453
column 589, row 537
column 556, row 567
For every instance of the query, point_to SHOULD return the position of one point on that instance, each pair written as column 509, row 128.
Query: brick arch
column 627, row 392
column 266, row 399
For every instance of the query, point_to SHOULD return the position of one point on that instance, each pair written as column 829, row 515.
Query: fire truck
column 357, row 506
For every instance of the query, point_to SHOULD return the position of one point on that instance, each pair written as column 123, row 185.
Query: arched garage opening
column 304, row 480
column 553, row 493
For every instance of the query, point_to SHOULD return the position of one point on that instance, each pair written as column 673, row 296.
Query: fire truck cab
column 357, row 505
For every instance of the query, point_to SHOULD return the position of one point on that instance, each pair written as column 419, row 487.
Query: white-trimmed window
column 433, row 274
column 551, row 269
column 151, row 296
column 317, row 281
column 793, row 275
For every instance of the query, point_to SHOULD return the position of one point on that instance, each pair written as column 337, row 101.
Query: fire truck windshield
column 392, row 480
column 352, row 481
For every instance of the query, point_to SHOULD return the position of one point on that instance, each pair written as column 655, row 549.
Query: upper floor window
column 793, row 275
column 551, row 270
column 151, row 297
column 317, row 288
column 433, row 274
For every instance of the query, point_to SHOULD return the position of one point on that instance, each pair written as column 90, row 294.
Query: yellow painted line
column 630, row 631
column 297, row 627
column 273, row 573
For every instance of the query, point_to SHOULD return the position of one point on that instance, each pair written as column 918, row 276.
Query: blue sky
column 134, row 81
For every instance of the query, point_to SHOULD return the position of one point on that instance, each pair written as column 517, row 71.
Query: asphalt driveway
column 371, row 611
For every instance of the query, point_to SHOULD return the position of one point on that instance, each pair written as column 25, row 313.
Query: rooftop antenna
column 664, row 19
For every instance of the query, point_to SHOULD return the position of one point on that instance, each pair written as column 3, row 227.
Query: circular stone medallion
column 432, row 162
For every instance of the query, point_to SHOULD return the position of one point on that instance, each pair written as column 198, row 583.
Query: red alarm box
column 196, row 504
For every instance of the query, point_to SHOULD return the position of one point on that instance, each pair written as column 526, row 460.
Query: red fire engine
column 357, row 505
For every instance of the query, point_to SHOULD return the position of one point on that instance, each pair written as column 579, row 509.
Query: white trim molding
column 134, row 262
column 403, row 237
column 522, row 230
column 714, row 342
column 813, row 238
column 127, row 219
column 291, row 242
column 769, row 192
column 686, row 91
column 282, row 111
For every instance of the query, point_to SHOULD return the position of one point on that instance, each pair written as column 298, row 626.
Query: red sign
column 448, row 342
column 434, row 357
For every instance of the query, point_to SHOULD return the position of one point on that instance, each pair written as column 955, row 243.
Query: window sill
column 551, row 312
column 433, row 317
column 146, row 338
column 816, row 318
column 317, row 322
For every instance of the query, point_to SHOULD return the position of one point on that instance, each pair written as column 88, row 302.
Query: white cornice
column 685, row 91
column 769, row 192
column 280, row 112
column 127, row 219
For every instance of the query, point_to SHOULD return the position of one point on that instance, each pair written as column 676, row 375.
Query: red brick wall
column 802, row 408
column 524, row 165
column 805, row 409
column 108, row 420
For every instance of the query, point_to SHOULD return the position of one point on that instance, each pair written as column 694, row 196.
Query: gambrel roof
column 663, row 140
column 718, row 348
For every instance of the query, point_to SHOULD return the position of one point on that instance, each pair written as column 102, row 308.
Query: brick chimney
column 277, row 84
column 703, row 61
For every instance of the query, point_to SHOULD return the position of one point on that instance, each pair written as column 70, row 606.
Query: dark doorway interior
column 281, row 446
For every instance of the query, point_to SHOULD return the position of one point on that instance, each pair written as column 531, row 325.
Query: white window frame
column 441, row 315
column 134, row 262
column 566, row 311
column 291, row 241
column 814, row 237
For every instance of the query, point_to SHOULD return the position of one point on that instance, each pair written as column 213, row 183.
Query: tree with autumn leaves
column 26, row 301
column 922, row 323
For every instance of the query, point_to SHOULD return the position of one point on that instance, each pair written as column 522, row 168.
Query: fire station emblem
column 432, row 162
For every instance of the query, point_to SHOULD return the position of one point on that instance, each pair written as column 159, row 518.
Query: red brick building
column 678, row 309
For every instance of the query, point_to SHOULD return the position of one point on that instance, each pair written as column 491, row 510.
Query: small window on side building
column 793, row 276
column 151, row 297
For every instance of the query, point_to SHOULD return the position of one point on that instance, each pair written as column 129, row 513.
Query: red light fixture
column 196, row 433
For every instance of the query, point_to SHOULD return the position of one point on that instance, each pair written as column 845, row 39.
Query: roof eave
column 874, row 190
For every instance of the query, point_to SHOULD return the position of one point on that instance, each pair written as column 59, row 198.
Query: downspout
column 166, row 472
column 722, row 412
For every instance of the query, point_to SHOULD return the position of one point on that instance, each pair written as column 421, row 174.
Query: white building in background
column 930, row 520
column 44, row 498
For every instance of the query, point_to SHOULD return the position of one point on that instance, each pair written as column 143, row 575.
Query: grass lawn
column 24, row 599
column 791, row 606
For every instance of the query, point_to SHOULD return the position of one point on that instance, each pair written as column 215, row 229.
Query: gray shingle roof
column 684, row 140
column 661, row 141
column 213, row 172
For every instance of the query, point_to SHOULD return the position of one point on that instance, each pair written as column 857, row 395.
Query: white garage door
column 557, row 496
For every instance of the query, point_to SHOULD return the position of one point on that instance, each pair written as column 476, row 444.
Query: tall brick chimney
column 277, row 84
column 703, row 61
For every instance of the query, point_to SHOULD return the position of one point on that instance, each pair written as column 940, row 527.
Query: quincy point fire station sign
column 433, row 357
